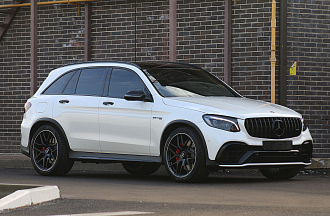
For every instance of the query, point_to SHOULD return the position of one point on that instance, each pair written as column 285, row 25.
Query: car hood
column 239, row 107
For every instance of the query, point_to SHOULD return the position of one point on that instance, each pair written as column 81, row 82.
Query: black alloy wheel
column 45, row 150
column 184, row 156
column 49, row 152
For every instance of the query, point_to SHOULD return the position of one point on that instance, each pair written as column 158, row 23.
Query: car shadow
column 161, row 178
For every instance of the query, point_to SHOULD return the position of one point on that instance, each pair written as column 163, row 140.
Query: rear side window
column 71, row 86
column 122, row 81
column 57, row 87
column 91, row 81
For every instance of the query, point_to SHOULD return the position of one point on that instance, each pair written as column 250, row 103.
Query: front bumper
column 236, row 155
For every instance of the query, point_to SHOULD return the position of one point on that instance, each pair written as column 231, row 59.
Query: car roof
column 145, row 65
column 93, row 62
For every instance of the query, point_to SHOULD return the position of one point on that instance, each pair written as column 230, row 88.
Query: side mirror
column 138, row 95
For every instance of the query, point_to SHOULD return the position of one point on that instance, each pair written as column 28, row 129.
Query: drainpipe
column 173, row 26
column 34, row 48
column 227, row 50
column 283, row 53
column 273, row 48
column 88, row 15
column 46, row 3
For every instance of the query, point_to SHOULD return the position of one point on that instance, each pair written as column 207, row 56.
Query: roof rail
column 102, row 61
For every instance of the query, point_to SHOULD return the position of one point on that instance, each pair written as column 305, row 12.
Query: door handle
column 64, row 101
column 108, row 103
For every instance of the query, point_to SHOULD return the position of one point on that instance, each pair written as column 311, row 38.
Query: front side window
column 122, row 81
column 91, row 81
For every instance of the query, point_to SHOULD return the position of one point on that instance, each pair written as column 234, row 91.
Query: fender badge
column 272, row 112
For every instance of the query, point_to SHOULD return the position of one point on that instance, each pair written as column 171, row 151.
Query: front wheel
column 140, row 168
column 280, row 173
column 184, row 156
column 49, row 152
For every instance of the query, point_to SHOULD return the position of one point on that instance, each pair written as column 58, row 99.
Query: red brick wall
column 200, row 38
column 309, row 46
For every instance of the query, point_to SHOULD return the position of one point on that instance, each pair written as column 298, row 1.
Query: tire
column 184, row 156
column 280, row 173
column 140, row 168
column 49, row 152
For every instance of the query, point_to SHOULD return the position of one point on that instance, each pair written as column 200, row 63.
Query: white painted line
column 29, row 197
column 109, row 213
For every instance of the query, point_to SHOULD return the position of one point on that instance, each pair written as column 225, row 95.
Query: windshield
column 186, row 82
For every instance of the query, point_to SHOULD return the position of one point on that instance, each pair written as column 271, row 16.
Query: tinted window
column 91, row 81
column 59, row 84
column 186, row 82
column 71, row 86
column 123, row 81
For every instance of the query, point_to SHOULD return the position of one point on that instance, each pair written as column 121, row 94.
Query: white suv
column 147, row 114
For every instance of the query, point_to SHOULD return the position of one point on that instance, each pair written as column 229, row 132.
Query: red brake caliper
column 178, row 152
column 43, row 149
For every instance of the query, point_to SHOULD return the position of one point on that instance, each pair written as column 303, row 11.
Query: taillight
column 27, row 106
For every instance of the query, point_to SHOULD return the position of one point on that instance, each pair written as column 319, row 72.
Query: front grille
column 273, row 128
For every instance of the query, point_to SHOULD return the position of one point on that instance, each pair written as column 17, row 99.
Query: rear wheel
column 280, row 173
column 184, row 156
column 49, row 152
column 140, row 168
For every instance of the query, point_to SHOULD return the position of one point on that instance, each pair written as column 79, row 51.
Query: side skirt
column 111, row 158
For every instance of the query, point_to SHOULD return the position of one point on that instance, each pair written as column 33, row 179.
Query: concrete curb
column 29, row 197
column 320, row 163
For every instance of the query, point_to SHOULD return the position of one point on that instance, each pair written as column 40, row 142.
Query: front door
column 124, row 125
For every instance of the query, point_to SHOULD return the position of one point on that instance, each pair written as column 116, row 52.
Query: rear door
column 76, row 109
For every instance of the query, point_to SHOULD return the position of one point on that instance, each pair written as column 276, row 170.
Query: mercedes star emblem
column 278, row 127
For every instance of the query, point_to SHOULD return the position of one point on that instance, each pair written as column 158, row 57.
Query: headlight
column 222, row 122
column 304, row 126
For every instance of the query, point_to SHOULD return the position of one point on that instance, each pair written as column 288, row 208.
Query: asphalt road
column 229, row 193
